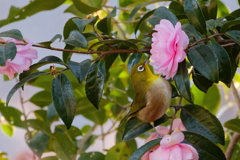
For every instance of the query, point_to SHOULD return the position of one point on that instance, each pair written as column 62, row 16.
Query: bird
column 152, row 94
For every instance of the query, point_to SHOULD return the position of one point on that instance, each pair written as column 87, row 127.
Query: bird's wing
column 138, row 103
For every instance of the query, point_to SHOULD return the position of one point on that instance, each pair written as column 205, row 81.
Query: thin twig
column 228, row 44
column 124, row 9
column 232, row 145
column 215, row 35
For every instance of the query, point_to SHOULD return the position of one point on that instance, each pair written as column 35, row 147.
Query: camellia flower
column 168, row 47
column 170, row 144
column 22, row 60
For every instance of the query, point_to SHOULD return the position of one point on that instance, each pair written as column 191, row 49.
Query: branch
column 214, row 35
column 124, row 9
column 232, row 144
column 235, row 94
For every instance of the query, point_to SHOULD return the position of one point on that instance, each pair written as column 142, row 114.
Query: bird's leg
column 152, row 124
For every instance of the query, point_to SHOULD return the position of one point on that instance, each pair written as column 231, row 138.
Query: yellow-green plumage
column 153, row 94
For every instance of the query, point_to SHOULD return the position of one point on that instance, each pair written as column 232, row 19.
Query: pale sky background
column 38, row 28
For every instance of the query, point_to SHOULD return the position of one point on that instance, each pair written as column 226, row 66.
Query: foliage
column 99, row 88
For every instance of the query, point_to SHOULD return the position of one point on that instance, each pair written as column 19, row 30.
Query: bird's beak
column 146, row 61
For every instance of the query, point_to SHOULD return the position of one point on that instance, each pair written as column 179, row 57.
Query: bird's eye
column 140, row 68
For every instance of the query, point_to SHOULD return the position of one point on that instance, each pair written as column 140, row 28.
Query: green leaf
column 95, row 81
column 50, row 158
column 176, row 7
column 22, row 82
column 162, row 13
column 38, row 143
column 204, row 60
column 84, row 8
column 72, row 9
column 7, row 51
column 81, row 23
column 193, row 35
column 40, row 114
column 7, row 129
column 233, row 35
column 51, row 112
column 137, row 8
column 195, row 15
column 224, row 62
column 63, row 99
column 116, row 42
column 39, row 125
column 13, row 33
column 209, row 9
column 207, row 125
column 32, row 8
column 76, row 39
column 105, row 25
column 41, row 99
column 229, row 25
column 73, row 132
column 42, row 62
column 133, row 60
column 13, row 116
column 206, row 149
column 120, row 151
column 92, row 156
column 136, row 127
column 182, row 81
column 98, row 117
column 143, row 19
column 233, row 124
column 201, row 82
column 48, row 43
column 143, row 149
column 109, row 60
column 81, row 69
column 63, row 146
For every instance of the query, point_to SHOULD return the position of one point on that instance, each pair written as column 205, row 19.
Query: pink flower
column 22, row 60
column 171, row 148
column 162, row 130
column 168, row 47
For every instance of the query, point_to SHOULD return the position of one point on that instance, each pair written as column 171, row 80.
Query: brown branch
column 215, row 35
column 228, row 44
column 232, row 145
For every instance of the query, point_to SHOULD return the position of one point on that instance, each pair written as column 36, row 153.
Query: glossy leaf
column 84, row 8
column 105, row 25
column 7, row 51
column 63, row 146
column 13, row 33
column 22, row 82
column 109, row 60
column 224, row 62
column 76, row 39
column 95, row 81
column 193, row 35
column 114, row 42
column 207, row 125
column 143, row 149
column 195, row 15
column 81, row 69
column 229, row 25
column 63, row 99
column 233, row 124
column 136, row 127
column 233, row 35
column 204, row 60
column 182, row 81
column 44, row 61
column 137, row 8
column 201, row 82
column 51, row 112
column 41, row 99
column 32, row 8
column 133, row 60
column 39, row 125
column 92, row 156
column 143, row 19
column 162, row 13
column 81, row 23
column 48, row 43
column 120, row 151
column 205, row 148
column 38, row 143
column 7, row 129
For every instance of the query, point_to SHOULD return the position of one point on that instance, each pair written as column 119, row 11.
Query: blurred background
column 42, row 27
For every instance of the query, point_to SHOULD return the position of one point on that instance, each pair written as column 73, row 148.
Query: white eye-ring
column 140, row 68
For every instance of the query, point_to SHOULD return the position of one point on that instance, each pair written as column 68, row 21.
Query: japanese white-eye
column 153, row 94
